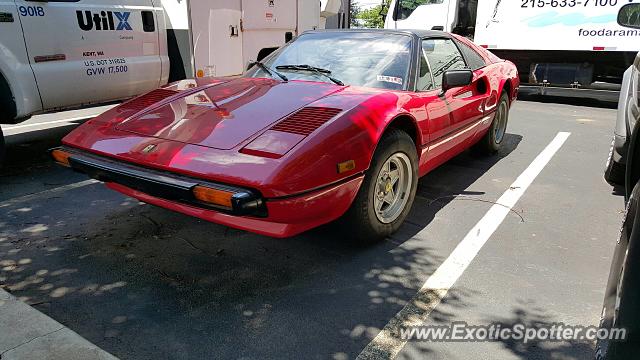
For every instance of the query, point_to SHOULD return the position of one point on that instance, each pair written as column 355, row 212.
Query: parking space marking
column 46, row 193
column 387, row 344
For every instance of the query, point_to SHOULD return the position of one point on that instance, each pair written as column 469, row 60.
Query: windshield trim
column 411, row 72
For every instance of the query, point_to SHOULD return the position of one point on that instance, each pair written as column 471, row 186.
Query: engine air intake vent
column 305, row 121
column 148, row 99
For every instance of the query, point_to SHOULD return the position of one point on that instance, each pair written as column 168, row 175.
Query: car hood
column 221, row 115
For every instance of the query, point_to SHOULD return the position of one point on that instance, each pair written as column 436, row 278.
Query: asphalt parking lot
column 145, row 283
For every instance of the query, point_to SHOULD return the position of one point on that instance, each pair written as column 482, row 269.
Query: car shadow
column 443, row 185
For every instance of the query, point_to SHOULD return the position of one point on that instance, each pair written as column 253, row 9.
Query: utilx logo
column 103, row 20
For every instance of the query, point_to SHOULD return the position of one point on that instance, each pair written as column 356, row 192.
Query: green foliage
column 354, row 13
column 372, row 17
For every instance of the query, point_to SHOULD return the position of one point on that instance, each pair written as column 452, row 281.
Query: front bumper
column 164, row 185
column 276, row 217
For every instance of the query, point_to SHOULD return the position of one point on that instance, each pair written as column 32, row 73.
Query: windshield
column 367, row 59
column 407, row 7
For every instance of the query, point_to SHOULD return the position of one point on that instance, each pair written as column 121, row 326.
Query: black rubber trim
column 164, row 185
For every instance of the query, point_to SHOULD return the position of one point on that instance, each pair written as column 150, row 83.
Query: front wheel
column 491, row 141
column 387, row 191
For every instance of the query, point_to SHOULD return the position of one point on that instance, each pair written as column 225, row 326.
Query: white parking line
column 69, row 120
column 46, row 193
column 387, row 344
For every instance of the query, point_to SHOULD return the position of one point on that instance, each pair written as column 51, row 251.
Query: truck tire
column 620, row 307
column 384, row 200
column 7, row 103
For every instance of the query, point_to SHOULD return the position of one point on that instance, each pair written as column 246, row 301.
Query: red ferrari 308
column 334, row 125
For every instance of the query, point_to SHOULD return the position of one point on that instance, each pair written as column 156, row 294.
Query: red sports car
column 335, row 124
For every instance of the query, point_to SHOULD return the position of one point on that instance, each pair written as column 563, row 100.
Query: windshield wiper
column 269, row 70
column 324, row 72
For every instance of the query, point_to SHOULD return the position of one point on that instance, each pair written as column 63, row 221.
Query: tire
column 2, row 148
column 7, row 112
column 620, row 307
column 491, row 141
column 7, row 103
column 614, row 172
column 395, row 152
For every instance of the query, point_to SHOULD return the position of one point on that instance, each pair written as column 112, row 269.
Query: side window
column 442, row 55
column 407, row 7
column 474, row 59
column 425, row 78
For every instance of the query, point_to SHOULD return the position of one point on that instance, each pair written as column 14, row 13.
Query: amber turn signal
column 213, row 196
column 346, row 166
column 61, row 157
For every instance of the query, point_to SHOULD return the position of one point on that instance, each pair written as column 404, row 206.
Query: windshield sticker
column 390, row 79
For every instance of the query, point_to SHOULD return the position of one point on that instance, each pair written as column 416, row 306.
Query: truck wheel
column 614, row 173
column 620, row 308
column 7, row 103
column 490, row 142
column 387, row 191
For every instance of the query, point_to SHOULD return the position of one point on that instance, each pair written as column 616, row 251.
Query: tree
column 354, row 13
column 374, row 17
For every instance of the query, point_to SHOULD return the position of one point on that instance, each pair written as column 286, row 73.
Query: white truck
column 58, row 55
column 227, row 35
column 561, row 47
column 62, row 54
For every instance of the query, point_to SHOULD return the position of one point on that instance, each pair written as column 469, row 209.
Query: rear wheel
column 492, row 140
column 387, row 191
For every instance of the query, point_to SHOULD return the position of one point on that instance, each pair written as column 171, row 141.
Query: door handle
column 233, row 29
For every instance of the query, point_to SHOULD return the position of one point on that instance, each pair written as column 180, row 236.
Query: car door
column 439, row 122
column 467, row 103
column 91, row 51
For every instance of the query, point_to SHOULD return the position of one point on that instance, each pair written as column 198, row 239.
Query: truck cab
column 445, row 15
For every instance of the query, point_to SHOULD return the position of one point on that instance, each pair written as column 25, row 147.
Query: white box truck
column 227, row 35
column 561, row 47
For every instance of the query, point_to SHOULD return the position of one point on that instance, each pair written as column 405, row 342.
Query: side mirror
column 629, row 15
column 455, row 78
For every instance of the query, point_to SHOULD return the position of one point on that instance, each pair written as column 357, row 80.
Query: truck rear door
column 91, row 51
column 216, row 37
